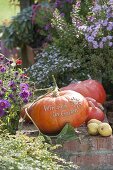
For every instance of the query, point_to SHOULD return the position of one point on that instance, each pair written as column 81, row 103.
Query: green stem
column 45, row 89
column 54, row 81
column 55, row 91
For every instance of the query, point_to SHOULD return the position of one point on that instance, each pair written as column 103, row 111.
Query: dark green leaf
column 67, row 133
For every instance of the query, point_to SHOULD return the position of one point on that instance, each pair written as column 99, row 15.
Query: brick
column 93, row 160
column 92, row 152
column 76, row 146
column 89, row 143
column 102, row 143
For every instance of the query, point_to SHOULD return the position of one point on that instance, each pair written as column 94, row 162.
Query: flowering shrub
column 52, row 62
column 65, row 7
column 41, row 20
column 100, row 25
column 14, row 92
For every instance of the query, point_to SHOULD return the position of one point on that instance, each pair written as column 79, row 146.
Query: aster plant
column 15, row 91
column 99, row 32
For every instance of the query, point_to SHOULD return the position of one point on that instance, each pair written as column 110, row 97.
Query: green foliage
column 20, row 30
column 93, row 63
column 68, row 133
column 70, row 58
column 22, row 152
column 51, row 62
column 23, row 31
column 14, row 83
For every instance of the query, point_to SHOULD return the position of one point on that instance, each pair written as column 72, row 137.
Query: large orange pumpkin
column 52, row 112
column 89, row 88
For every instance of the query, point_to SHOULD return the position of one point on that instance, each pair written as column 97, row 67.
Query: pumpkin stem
column 55, row 91
column 45, row 89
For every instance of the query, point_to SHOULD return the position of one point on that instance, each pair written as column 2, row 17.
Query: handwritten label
column 59, row 107
column 62, row 109
column 71, row 112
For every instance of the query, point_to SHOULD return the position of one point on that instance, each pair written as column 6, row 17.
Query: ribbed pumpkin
column 53, row 111
column 89, row 88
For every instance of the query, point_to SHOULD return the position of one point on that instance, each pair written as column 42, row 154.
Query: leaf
column 47, row 138
column 67, row 133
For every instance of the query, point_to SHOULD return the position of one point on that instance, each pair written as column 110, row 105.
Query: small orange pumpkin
column 52, row 112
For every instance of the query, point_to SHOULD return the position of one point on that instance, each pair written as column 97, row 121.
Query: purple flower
column 11, row 96
column 16, row 73
column 62, row 14
column 69, row 1
column 96, row 8
column 12, row 85
column 3, row 89
column 10, row 61
column 3, row 69
column 4, row 104
column 101, row 45
column 57, row 3
column 2, row 112
column 24, row 86
column 47, row 27
column 1, row 94
column 90, row 39
column 111, row 2
column 78, row 4
column 105, row 23
column 109, row 37
column 1, row 82
column 25, row 100
column 109, row 28
column 24, row 94
column 110, row 44
column 1, row 58
column 95, row 44
column 104, row 39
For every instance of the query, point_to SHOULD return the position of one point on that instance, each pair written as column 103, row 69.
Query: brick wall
column 91, row 152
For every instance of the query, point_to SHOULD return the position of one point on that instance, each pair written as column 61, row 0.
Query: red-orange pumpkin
column 95, row 113
column 52, row 112
column 89, row 88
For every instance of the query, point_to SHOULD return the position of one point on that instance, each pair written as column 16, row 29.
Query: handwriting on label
column 62, row 110
column 71, row 112
column 59, row 107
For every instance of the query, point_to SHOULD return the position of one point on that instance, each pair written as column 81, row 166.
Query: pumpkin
column 95, row 113
column 52, row 112
column 96, row 104
column 89, row 88
column 23, row 113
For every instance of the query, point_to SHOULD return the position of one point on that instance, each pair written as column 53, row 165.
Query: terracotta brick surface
column 94, row 160
column 91, row 152
column 91, row 144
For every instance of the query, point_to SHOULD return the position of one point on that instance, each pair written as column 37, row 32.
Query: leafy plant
column 51, row 61
column 20, row 30
column 23, row 152
column 15, row 90
column 23, row 31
